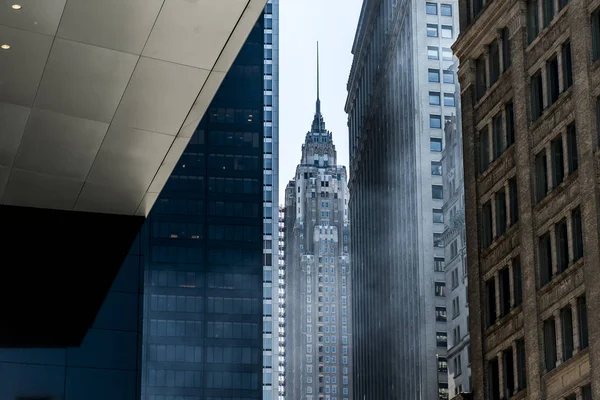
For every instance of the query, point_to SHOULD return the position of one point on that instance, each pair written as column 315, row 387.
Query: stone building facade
column 530, row 80
column 317, row 264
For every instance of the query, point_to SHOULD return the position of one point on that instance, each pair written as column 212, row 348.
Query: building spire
column 318, row 99
column 318, row 124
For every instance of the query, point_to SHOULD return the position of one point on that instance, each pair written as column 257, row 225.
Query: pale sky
column 302, row 23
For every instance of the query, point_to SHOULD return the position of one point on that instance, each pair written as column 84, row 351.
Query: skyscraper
column 530, row 121
column 281, row 297
column 270, row 202
column 203, row 251
column 318, row 299
column 400, row 93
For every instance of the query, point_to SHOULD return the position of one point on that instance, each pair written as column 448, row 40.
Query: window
column 552, row 80
column 541, row 175
column 436, row 168
column 457, row 335
column 442, row 364
column 517, row 281
column 510, row 124
column 545, row 260
column 449, row 100
column 596, row 34
column 533, row 20
column 438, row 216
column 484, row 149
column 446, row 10
column 440, row 314
column 557, row 158
column 586, row 392
column 490, row 290
column 447, row 31
column 504, row 278
column 500, row 199
column 550, row 344
column 567, row 66
column 433, row 53
column 548, row 9
column 447, row 54
column 577, row 234
column 514, row 201
column 437, row 192
column 566, row 323
column 498, row 136
column 493, row 373
column 432, row 30
column 480, row 77
column 434, row 75
column 454, row 251
column 573, row 160
column 537, row 96
column 562, row 246
column 439, row 264
column 521, row 364
column 441, row 339
column 506, row 61
column 562, row 4
column 583, row 323
column 437, row 240
column 435, row 145
column 440, row 289
column 454, row 275
column 508, row 373
column 457, row 366
column 448, row 77
column 455, row 307
column 431, row 8
column 486, row 225
column 494, row 60
column 477, row 7
column 435, row 121
column 434, row 98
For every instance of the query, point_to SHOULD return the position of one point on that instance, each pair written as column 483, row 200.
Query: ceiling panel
column 159, row 96
column 129, row 158
column 31, row 189
column 193, row 32
column 114, row 24
column 74, row 143
column 201, row 104
column 41, row 16
column 84, row 81
column 109, row 199
column 12, row 124
column 21, row 66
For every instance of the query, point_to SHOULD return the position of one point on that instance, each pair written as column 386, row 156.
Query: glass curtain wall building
column 202, row 250
column 271, row 197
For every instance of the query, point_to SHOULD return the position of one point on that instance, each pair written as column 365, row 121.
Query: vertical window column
column 545, row 97
column 560, row 62
column 570, row 242
column 515, row 367
column 554, row 259
column 498, row 299
column 486, row 55
column 494, row 219
column 500, row 52
column 501, row 376
column 575, row 314
column 559, row 350
column 511, row 275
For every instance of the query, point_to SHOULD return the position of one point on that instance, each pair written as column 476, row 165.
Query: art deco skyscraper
column 318, row 300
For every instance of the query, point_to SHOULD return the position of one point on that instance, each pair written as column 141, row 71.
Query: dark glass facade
column 183, row 317
column 203, row 252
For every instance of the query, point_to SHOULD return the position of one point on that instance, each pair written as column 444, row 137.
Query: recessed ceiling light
column 16, row 6
column 5, row 47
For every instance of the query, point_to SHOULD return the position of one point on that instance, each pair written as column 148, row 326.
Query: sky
column 302, row 24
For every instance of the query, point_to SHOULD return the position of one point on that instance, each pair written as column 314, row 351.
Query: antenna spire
column 318, row 99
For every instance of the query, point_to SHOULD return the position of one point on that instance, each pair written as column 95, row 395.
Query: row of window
column 495, row 140
column 564, row 322
column 554, row 85
column 548, row 14
column 230, row 162
column 175, row 353
column 231, row 115
column 220, row 305
column 172, row 303
column 433, row 75
column 231, row 330
column 435, row 121
column 234, row 233
column 504, row 292
column 560, row 165
column 432, row 31
column 231, row 380
column 435, row 99
column 505, row 363
column 562, row 251
column 176, row 279
column 503, row 209
column 432, row 9
column 486, row 77
column 433, row 53
column 234, row 185
column 231, row 355
column 234, row 209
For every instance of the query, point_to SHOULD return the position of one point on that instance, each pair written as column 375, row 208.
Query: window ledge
column 558, row 369
column 553, row 193
column 559, row 278
column 547, row 112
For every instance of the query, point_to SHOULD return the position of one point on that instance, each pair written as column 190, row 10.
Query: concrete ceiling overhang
column 98, row 98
